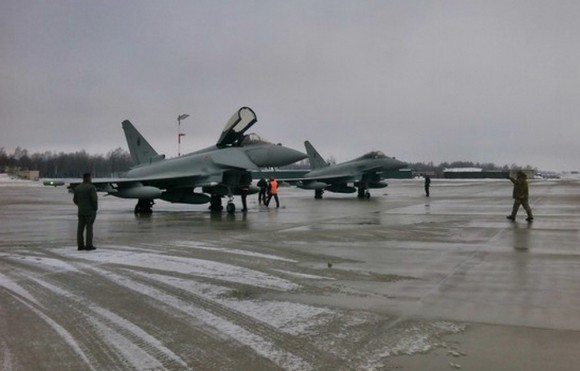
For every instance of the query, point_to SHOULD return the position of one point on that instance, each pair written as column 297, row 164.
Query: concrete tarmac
column 399, row 281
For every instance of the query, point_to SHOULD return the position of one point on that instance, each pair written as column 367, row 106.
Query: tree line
column 118, row 161
column 66, row 165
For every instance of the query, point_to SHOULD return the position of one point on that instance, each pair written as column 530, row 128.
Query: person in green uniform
column 520, row 195
column 85, row 197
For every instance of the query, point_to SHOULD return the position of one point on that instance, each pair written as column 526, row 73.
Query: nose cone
column 399, row 164
column 391, row 163
column 274, row 155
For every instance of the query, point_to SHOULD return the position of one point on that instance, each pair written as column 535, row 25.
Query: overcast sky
column 483, row 81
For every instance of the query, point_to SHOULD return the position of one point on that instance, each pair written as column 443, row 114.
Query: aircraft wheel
column 231, row 208
column 318, row 194
column 144, row 206
column 215, row 203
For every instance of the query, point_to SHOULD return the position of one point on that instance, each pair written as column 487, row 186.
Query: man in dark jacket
column 85, row 197
column 263, row 189
column 520, row 195
column 427, row 184
column 245, row 181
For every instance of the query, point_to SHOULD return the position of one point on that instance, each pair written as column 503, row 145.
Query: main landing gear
column 318, row 194
column 144, row 206
column 215, row 204
column 363, row 193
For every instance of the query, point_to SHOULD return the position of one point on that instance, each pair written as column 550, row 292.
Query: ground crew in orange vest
column 273, row 192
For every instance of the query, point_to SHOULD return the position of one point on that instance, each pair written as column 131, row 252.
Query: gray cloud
column 488, row 81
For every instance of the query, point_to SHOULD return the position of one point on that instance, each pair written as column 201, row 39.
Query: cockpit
column 372, row 155
column 253, row 139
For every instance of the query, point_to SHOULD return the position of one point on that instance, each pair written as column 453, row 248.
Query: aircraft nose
column 400, row 164
column 274, row 156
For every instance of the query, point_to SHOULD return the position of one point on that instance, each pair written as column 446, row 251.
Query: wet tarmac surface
column 399, row 281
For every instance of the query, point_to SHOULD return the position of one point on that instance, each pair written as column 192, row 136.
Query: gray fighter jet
column 220, row 170
column 362, row 173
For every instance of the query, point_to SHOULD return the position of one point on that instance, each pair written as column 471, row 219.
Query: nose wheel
column 231, row 207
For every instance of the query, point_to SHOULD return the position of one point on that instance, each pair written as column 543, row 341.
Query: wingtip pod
column 53, row 183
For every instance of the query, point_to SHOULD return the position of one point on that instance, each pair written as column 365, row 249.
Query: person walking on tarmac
column 85, row 197
column 520, row 195
column 427, row 184
column 263, row 189
column 273, row 192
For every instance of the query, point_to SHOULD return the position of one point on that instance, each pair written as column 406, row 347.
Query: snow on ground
column 9, row 180
column 250, row 299
column 197, row 245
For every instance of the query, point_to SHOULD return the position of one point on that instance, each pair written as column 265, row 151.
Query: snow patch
column 196, row 245
column 192, row 266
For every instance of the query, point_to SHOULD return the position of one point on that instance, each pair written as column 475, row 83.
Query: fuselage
column 358, row 166
column 212, row 161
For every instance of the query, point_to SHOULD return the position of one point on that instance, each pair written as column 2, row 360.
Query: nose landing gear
column 231, row 207
column 215, row 204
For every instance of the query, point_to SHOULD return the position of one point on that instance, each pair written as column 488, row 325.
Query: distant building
column 28, row 174
column 473, row 173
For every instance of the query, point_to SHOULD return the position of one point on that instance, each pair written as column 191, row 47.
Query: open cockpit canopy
column 235, row 128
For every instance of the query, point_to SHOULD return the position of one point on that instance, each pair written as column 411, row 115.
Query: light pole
column 179, row 135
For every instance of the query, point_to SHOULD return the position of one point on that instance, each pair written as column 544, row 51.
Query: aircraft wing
column 347, row 176
column 112, row 185
column 338, row 177
column 306, row 181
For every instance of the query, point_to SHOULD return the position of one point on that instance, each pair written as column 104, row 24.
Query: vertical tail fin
column 140, row 150
column 316, row 161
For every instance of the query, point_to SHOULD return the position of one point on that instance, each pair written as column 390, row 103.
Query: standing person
column 85, row 197
column 263, row 189
column 427, row 184
column 245, row 189
column 273, row 192
column 520, row 195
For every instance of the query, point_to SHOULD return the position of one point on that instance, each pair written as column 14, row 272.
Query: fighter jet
column 363, row 173
column 218, row 171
